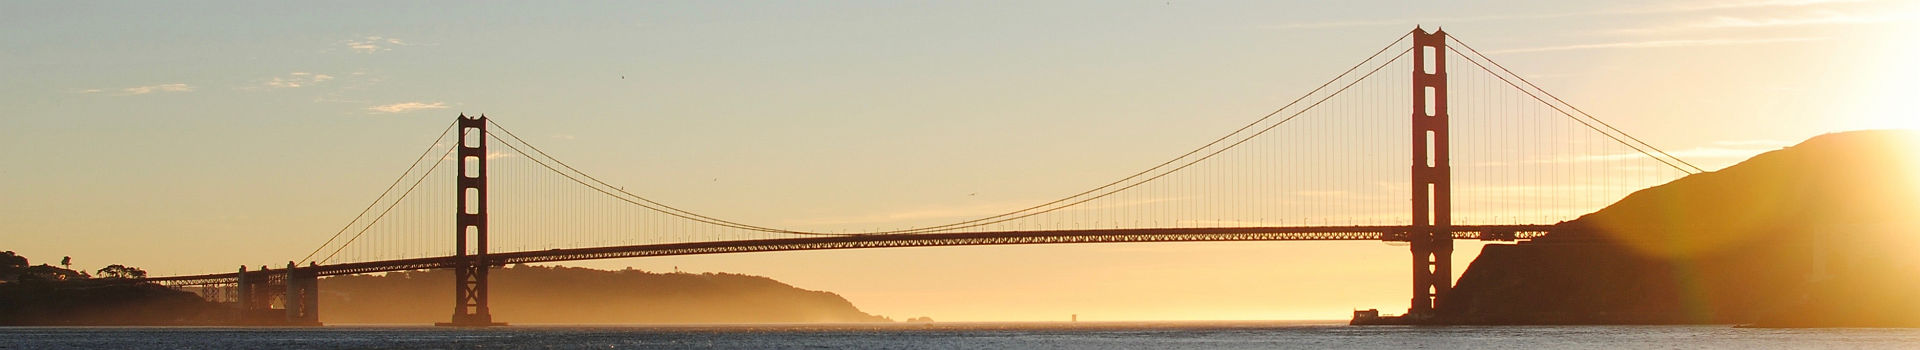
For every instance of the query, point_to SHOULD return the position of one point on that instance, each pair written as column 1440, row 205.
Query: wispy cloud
column 1744, row 4
column 1759, row 143
column 404, row 107
column 490, row 155
column 374, row 44
column 343, row 90
column 296, row 79
column 1649, row 10
column 1340, row 24
column 1741, row 150
column 1323, row 194
column 924, row 213
column 1412, row 21
column 1816, row 18
column 142, row 90
column 968, row 211
column 1822, row 18
column 1542, row 76
column 1647, row 44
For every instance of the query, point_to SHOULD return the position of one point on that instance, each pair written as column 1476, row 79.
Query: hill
column 102, row 303
column 46, row 295
column 1823, row 233
column 534, row 294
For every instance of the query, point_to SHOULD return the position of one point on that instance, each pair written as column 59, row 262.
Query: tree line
column 15, row 269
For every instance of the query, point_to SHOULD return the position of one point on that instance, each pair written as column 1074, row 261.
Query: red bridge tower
column 1431, row 234
column 470, row 271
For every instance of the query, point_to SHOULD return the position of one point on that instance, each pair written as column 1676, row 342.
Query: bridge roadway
column 1136, row 235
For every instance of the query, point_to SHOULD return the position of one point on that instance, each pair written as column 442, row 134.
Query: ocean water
column 1085, row 335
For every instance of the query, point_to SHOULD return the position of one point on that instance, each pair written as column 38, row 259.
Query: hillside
column 102, row 303
column 1819, row 234
column 47, row 295
column 533, row 294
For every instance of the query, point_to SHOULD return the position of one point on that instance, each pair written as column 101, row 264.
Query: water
column 1086, row 335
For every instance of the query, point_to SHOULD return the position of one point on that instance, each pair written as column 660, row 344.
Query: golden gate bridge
column 1418, row 160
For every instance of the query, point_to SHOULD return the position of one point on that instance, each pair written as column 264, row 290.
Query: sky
column 194, row 137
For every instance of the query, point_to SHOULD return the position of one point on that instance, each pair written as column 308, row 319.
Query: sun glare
column 1889, row 100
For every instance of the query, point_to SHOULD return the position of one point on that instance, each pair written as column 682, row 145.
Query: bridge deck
column 1212, row 234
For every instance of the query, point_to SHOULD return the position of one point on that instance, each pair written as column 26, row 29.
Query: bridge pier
column 242, row 294
column 254, row 302
column 298, row 290
column 302, row 299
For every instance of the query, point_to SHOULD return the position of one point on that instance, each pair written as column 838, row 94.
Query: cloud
column 1727, row 5
column 1551, row 76
column 142, row 90
column 1340, row 24
column 297, row 79
column 1680, row 8
column 404, row 107
column 1408, row 21
column 968, row 211
column 1825, row 17
column 924, row 213
column 88, row 91
column 1646, row 44
column 374, row 44
column 1819, row 18
column 1323, row 193
column 344, row 89
column 1742, row 150
column 1761, row 142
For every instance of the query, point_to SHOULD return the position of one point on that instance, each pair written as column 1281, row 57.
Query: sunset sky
column 193, row 138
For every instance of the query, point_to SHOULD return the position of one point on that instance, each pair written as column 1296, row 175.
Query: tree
column 121, row 271
column 11, row 266
column 9, row 260
column 67, row 262
column 46, row 272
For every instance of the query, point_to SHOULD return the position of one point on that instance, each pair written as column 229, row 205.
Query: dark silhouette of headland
column 1822, row 234
column 537, row 294
column 46, row 295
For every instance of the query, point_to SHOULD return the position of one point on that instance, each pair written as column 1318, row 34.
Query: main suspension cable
column 396, row 202
column 610, row 190
column 1570, row 115
column 668, row 209
column 1269, row 115
column 1202, row 158
column 1522, row 79
column 968, row 223
column 383, row 194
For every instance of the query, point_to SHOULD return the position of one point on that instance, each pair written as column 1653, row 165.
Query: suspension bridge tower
column 470, row 219
column 1431, row 233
